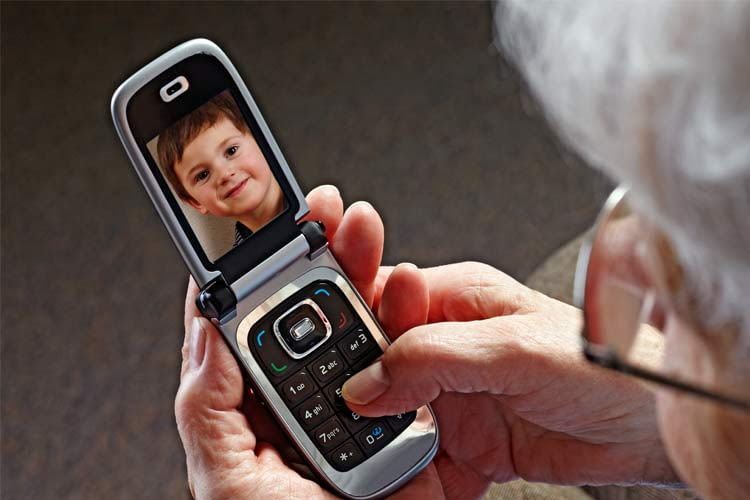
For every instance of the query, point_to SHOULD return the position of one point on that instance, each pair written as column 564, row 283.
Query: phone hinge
column 311, row 243
column 217, row 300
column 315, row 234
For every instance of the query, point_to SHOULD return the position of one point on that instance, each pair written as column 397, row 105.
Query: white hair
column 656, row 94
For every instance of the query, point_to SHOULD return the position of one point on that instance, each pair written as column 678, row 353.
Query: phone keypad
column 313, row 389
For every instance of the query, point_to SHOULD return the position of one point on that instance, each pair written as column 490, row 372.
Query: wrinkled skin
column 499, row 362
column 709, row 443
column 501, row 365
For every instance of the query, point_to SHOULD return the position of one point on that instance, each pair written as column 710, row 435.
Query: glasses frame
column 603, row 355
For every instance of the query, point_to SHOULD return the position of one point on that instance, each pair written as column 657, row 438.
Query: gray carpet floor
column 405, row 105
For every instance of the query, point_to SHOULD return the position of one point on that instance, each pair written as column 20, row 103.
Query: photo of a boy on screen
column 214, row 164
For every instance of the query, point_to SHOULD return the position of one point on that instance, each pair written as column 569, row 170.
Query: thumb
column 429, row 360
column 210, row 392
column 210, row 376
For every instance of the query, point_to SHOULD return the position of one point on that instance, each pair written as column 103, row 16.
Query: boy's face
column 224, row 171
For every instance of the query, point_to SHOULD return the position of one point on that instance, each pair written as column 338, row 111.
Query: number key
column 374, row 437
column 333, row 392
column 353, row 420
column 330, row 434
column 297, row 388
column 356, row 344
column 313, row 411
column 401, row 421
column 327, row 367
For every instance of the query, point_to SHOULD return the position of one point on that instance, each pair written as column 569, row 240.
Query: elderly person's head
column 657, row 95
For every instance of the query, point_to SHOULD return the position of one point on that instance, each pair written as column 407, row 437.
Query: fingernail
column 365, row 205
column 367, row 385
column 330, row 186
column 408, row 265
column 197, row 343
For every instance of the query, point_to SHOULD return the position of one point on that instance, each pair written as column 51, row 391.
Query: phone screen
column 217, row 166
column 218, row 174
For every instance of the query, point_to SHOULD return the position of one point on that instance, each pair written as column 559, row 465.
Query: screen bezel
column 148, row 115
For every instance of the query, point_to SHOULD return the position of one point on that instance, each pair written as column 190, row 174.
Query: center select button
column 277, row 363
column 302, row 328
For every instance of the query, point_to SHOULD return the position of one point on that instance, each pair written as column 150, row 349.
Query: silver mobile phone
column 295, row 323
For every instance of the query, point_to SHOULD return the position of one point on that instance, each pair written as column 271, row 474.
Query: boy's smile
column 226, row 175
column 236, row 190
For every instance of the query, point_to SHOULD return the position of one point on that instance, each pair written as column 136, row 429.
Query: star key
column 346, row 457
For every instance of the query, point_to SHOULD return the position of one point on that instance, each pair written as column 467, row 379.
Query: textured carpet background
column 404, row 105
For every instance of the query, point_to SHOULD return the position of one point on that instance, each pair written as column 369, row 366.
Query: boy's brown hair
column 174, row 139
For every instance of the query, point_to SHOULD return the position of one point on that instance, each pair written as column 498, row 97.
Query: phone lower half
column 299, row 337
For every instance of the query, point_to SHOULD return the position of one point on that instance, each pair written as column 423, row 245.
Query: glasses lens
column 619, row 301
column 624, row 315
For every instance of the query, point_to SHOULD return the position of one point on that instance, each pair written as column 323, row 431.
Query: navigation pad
column 308, row 346
column 302, row 328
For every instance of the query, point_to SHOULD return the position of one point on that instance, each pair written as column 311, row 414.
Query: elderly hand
column 234, row 447
column 502, row 367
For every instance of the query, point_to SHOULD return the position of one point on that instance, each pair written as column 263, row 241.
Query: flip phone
column 296, row 325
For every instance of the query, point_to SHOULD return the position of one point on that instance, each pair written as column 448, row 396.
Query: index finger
column 465, row 291
column 471, row 291
column 358, row 247
column 326, row 206
column 191, row 310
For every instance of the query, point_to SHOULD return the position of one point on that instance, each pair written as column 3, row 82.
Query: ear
column 193, row 203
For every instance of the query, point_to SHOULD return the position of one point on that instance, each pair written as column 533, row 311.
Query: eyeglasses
column 623, row 287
